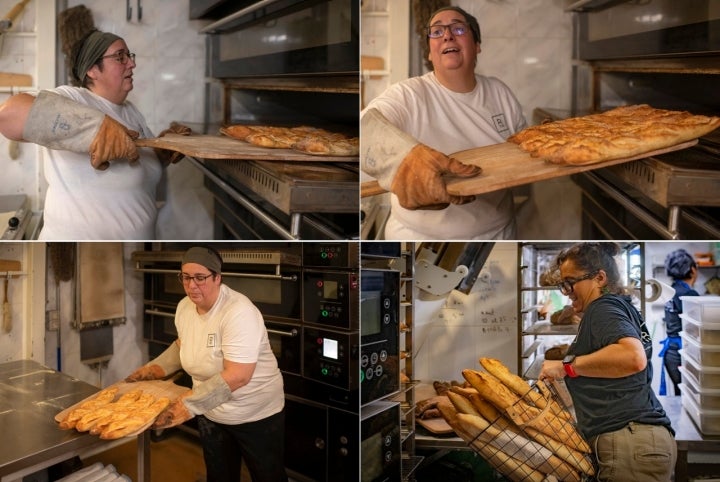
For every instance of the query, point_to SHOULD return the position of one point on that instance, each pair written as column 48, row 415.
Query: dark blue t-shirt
column 607, row 404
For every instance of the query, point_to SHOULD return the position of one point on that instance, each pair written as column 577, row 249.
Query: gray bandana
column 204, row 257
column 92, row 49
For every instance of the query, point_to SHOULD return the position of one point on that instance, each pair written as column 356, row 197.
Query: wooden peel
column 222, row 147
column 506, row 165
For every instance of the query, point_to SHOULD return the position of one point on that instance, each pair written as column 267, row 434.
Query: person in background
column 407, row 131
column 681, row 267
column 237, row 393
column 113, row 196
column 607, row 371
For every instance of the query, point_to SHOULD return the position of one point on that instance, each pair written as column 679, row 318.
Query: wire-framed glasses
column 198, row 278
column 566, row 286
column 121, row 57
column 456, row 28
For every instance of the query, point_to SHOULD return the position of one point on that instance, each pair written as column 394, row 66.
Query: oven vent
column 641, row 171
column 260, row 178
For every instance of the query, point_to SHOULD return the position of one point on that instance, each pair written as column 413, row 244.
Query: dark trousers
column 261, row 444
column 671, row 360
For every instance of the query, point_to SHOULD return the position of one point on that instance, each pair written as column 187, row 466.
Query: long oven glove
column 167, row 363
column 166, row 156
column 56, row 122
column 407, row 168
column 211, row 393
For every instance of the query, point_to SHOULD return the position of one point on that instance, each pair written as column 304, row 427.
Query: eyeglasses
column 121, row 57
column 567, row 285
column 198, row 278
column 456, row 28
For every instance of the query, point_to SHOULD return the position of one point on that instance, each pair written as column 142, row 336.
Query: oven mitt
column 166, row 156
column 407, row 168
column 175, row 413
column 56, row 122
column 166, row 363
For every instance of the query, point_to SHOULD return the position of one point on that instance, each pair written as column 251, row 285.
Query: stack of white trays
column 701, row 361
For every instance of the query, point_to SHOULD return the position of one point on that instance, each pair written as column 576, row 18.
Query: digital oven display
column 330, row 290
column 370, row 314
column 330, row 348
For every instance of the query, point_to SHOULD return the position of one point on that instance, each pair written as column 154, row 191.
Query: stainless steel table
column 30, row 397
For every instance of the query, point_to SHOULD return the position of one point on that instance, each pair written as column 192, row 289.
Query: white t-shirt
column 450, row 122
column 83, row 203
column 233, row 329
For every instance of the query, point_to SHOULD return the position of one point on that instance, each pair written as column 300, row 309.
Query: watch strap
column 570, row 370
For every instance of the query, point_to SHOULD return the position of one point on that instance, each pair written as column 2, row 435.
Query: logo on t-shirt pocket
column 500, row 123
column 211, row 339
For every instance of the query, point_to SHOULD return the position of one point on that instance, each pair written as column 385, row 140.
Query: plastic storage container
column 705, row 377
column 705, row 398
column 705, row 355
column 702, row 308
column 707, row 421
column 707, row 333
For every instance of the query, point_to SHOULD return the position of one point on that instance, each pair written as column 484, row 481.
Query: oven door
column 286, row 343
column 286, row 37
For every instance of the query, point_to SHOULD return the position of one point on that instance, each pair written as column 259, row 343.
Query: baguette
column 462, row 404
column 135, row 420
column 516, row 470
column 573, row 457
column 103, row 398
column 491, row 389
column 513, row 382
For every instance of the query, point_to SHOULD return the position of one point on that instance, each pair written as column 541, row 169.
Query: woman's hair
column 679, row 264
column 592, row 257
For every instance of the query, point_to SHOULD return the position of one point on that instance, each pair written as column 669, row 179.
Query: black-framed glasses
column 121, row 57
column 568, row 285
column 198, row 278
column 456, row 28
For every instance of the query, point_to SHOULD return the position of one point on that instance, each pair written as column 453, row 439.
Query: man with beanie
column 237, row 394
column 408, row 131
column 681, row 267
column 100, row 186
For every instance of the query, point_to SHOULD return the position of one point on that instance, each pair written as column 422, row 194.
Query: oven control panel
column 331, row 298
column 331, row 357
column 331, row 255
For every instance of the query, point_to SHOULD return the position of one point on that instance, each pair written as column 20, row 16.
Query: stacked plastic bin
column 701, row 361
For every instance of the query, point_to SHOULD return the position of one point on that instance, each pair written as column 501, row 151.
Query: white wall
column 169, row 86
column 452, row 333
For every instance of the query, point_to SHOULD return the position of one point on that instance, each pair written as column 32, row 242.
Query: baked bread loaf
column 565, row 316
column 622, row 132
column 306, row 139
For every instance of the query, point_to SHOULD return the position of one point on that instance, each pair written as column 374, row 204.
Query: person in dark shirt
column 681, row 267
column 607, row 371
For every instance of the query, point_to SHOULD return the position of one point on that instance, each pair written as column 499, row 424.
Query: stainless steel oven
column 270, row 275
column 665, row 54
column 282, row 37
column 379, row 333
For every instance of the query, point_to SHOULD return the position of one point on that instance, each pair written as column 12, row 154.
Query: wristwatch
column 567, row 365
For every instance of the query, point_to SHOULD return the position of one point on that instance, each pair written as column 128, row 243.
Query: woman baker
column 608, row 373
column 237, row 392
column 113, row 196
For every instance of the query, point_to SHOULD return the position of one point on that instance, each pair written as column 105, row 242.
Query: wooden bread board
column 9, row 265
column 205, row 146
column 506, row 165
column 158, row 388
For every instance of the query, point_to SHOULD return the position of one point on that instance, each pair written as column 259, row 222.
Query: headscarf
column 93, row 48
column 203, row 256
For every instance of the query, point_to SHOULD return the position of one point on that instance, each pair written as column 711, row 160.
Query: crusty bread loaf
column 134, row 420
